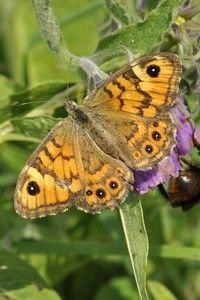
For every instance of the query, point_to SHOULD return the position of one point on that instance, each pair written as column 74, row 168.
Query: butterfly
column 89, row 158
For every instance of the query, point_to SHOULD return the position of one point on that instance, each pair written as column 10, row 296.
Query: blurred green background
column 73, row 255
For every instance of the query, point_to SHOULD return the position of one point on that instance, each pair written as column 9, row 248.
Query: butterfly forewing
column 136, row 103
column 141, row 88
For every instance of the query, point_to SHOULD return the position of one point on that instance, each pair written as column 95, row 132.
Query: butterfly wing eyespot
column 33, row 188
column 113, row 184
column 153, row 71
column 156, row 135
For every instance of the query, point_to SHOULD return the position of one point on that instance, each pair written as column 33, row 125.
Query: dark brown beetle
column 184, row 191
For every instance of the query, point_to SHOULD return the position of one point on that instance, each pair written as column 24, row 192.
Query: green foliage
column 76, row 255
column 137, row 241
column 138, row 36
column 19, row 280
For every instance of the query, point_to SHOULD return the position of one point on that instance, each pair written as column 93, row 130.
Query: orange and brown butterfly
column 88, row 159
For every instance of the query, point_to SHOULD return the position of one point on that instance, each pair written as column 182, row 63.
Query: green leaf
column 34, row 105
column 35, row 127
column 118, row 288
column 50, row 30
column 136, row 239
column 30, row 292
column 71, row 248
column 122, row 10
column 18, row 104
column 157, row 289
column 143, row 36
column 18, row 280
column 177, row 252
column 7, row 88
column 16, row 273
column 82, row 247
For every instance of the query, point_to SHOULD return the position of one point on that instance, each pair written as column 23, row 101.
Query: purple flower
column 186, row 136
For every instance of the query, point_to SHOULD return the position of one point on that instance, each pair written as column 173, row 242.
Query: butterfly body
column 88, row 159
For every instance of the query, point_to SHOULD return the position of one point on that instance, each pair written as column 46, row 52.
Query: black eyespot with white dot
column 113, row 185
column 33, row 188
column 153, row 71
column 148, row 149
column 100, row 193
column 89, row 192
column 155, row 124
column 156, row 135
